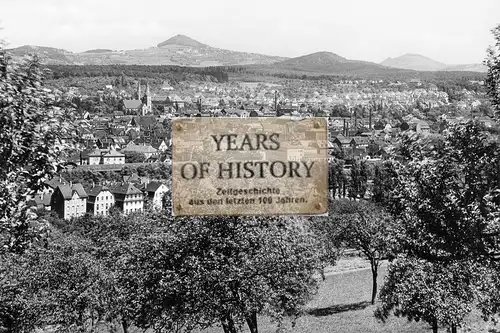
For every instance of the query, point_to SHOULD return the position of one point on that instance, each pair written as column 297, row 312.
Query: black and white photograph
column 253, row 166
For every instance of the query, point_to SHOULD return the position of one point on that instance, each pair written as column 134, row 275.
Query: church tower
column 138, row 90
column 148, row 99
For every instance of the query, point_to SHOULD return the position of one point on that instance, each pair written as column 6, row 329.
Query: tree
column 436, row 292
column 32, row 119
column 446, row 199
column 227, row 271
column 373, row 149
column 337, row 178
column 493, row 76
column 134, row 157
column 61, row 284
column 365, row 227
column 354, row 180
column 114, row 240
column 364, row 175
column 448, row 196
column 384, row 178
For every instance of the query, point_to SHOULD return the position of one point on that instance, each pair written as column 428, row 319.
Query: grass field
column 342, row 305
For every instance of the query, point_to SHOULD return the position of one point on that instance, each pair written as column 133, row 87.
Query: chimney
column 370, row 118
column 355, row 118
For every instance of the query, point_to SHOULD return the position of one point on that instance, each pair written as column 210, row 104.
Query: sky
column 449, row 31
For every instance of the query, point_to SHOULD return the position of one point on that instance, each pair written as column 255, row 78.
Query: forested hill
column 176, row 73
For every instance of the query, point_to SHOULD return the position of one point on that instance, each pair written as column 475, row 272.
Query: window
column 97, row 206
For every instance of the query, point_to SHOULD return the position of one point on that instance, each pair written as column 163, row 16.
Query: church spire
column 148, row 99
column 139, row 89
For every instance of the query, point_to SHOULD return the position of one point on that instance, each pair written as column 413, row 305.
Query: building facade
column 100, row 200
column 69, row 201
column 155, row 192
column 128, row 198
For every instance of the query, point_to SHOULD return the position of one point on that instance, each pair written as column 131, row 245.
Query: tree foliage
column 32, row 119
column 438, row 293
column 446, row 199
column 448, row 195
column 362, row 226
column 156, row 272
column 493, row 76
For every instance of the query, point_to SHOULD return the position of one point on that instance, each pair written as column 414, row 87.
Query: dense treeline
column 461, row 77
column 142, row 71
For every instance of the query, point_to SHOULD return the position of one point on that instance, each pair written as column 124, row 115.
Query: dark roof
column 95, row 153
column 145, row 121
column 67, row 191
column 132, row 177
column 95, row 190
column 343, row 140
column 55, row 182
column 125, row 188
column 153, row 186
column 113, row 153
column 132, row 104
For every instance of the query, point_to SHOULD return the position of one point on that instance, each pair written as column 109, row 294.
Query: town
column 366, row 119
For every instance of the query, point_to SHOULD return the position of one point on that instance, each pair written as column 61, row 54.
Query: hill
column 179, row 50
column 421, row 63
column 46, row 54
column 183, row 41
column 331, row 64
column 98, row 51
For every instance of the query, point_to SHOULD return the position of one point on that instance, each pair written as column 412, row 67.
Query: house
column 128, row 198
column 361, row 141
column 155, row 192
column 113, row 157
column 69, row 201
column 160, row 145
column 342, row 142
column 132, row 106
column 147, row 150
column 94, row 158
column 99, row 200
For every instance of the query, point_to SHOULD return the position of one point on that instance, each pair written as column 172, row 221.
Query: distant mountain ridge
column 179, row 50
column 330, row 63
column 182, row 50
column 421, row 63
